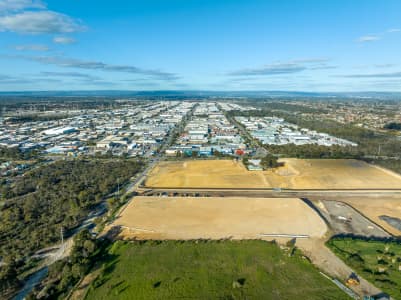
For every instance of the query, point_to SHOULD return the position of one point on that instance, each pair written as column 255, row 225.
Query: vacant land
column 378, row 262
column 208, row 270
column 378, row 209
column 205, row 173
column 295, row 174
column 239, row 218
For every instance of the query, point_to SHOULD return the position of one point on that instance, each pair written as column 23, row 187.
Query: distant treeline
column 36, row 118
column 315, row 151
column 10, row 104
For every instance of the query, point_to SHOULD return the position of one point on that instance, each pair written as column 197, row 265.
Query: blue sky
column 305, row 45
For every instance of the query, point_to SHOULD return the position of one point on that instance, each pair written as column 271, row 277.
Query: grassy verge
column 378, row 262
column 208, row 270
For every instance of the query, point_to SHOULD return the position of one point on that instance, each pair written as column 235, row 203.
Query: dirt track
column 296, row 174
column 238, row 218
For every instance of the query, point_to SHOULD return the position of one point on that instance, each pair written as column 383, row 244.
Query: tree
column 269, row 162
column 8, row 274
column 60, row 194
column 393, row 126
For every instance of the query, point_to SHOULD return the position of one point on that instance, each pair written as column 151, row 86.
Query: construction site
column 305, row 200
column 324, row 174
column 218, row 218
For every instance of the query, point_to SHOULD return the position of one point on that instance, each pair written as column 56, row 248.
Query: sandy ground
column 216, row 218
column 205, row 173
column 374, row 208
column 295, row 174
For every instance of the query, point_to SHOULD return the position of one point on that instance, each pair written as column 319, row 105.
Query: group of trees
column 8, row 276
column 36, row 118
column 315, row 151
column 269, row 161
column 64, row 274
column 393, row 126
column 15, row 154
column 55, row 196
column 377, row 260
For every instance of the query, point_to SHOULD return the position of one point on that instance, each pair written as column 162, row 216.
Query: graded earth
column 295, row 174
column 216, row 218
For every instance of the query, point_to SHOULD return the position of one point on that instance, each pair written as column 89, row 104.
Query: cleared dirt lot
column 295, row 174
column 374, row 208
column 216, row 218
column 205, row 173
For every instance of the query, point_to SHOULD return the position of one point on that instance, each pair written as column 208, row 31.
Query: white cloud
column 391, row 30
column 385, row 65
column 72, row 75
column 33, row 47
column 289, row 67
column 274, row 69
column 63, row 40
column 39, row 22
column 375, row 75
column 97, row 65
column 17, row 5
column 368, row 38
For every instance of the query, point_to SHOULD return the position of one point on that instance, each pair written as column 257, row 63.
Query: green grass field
column 378, row 262
column 208, row 270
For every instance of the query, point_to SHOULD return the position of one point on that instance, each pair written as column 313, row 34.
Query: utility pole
column 118, row 187
column 62, row 235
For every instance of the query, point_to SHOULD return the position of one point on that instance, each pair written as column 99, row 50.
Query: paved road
column 271, row 193
column 254, row 142
column 344, row 219
column 133, row 186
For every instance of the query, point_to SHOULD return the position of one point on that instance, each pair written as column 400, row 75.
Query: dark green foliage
column 314, row 151
column 58, row 195
column 10, row 153
column 269, row 162
column 218, row 154
column 15, row 154
column 376, row 261
column 64, row 274
column 393, row 164
column 36, row 118
column 393, row 126
column 8, row 276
